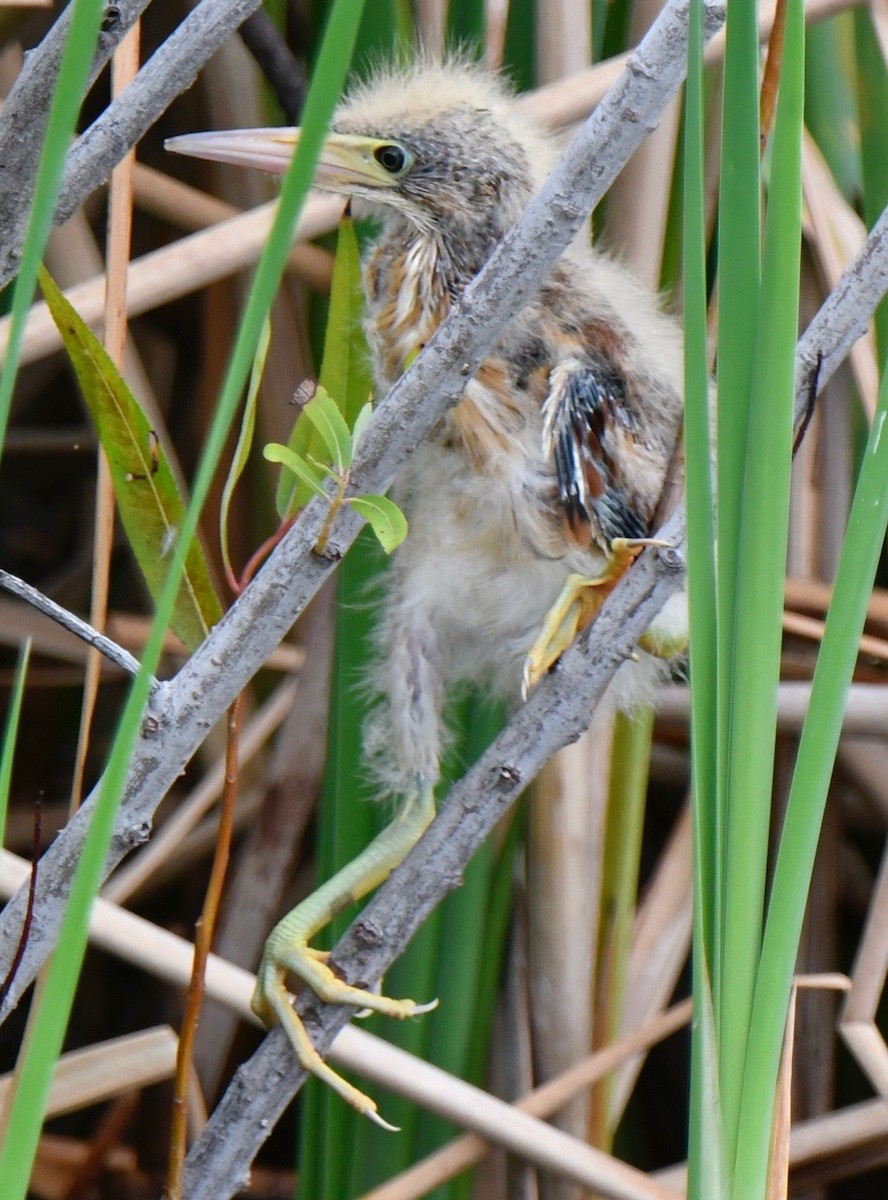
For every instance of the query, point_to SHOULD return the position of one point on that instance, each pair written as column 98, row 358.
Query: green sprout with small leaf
column 322, row 412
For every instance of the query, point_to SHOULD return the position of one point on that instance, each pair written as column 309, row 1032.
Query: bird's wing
column 588, row 431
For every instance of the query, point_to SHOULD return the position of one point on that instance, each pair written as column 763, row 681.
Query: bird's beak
column 346, row 160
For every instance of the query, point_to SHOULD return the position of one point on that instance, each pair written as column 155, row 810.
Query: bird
column 529, row 499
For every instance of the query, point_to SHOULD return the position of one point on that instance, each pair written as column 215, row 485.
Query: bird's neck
column 412, row 278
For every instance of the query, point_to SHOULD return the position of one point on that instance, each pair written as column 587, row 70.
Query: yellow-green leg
column 287, row 948
column 578, row 602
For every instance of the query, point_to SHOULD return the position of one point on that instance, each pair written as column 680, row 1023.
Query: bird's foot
column 579, row 601
column 272, row 1004
column 623, row 553
column 578, row 605
column 288, row 951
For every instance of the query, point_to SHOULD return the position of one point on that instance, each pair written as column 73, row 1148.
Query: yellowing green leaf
column 150, row 506
column 384, row 518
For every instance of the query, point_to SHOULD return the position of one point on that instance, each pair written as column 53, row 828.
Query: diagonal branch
column 171, row 70
column 70, row 621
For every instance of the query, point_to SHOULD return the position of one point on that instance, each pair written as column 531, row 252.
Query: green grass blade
column 67, row 97
column 698, row 483
column 739, row 257
column 145, row 489
column 760, row 580
column 707, row 1178
column 10, row 732
column 241, row 455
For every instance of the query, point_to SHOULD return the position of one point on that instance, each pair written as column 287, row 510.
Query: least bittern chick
column 529, row 499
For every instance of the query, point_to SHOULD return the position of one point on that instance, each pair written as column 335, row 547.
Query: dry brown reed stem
column 836, row 233
column 169, row 957
column 124, row 65
column 206, row 924
column 469, row 1149
column 858, row 1019
column 98, row 1072
column 176, row 270
column 813, row 595
column 771, row 75
column 812, row 628
column 568, row 801
column 866, row 708
column 188, row 208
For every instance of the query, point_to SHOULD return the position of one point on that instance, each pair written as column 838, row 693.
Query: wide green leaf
column 151, row 508
column 330, row 425
column 384, row 518
column 305, row 472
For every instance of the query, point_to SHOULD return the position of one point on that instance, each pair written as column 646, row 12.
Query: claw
column 287, row 951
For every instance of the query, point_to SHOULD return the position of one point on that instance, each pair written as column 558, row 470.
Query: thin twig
column 203, row 940
column 171, row 70
column 74, row 624
column 280, row 66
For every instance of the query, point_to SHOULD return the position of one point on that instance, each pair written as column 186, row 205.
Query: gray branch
column 24, row 116
column 70, row 621
column 169, row 72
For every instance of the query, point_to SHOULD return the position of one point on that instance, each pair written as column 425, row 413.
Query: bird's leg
column 577, row 606
column 406, row 732
column 287, row 948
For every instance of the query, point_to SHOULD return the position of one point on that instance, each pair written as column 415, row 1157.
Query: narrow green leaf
column 739, row 269
column 384, row 517
column 708, row 1168
column 345, row 370
column 148, row 499
column 244, row 441
column 861, row 551
column 327, row 419
column 10, row 732
column 304, row 471
column 759, row 590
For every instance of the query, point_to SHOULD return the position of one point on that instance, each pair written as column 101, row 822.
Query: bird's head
column 439, row 146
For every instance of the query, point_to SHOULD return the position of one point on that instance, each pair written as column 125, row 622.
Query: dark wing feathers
column 585, row 422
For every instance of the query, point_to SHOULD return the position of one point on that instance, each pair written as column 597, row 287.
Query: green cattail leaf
column 147, row 495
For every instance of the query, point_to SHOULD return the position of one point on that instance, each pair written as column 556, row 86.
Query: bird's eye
column 392, row 157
